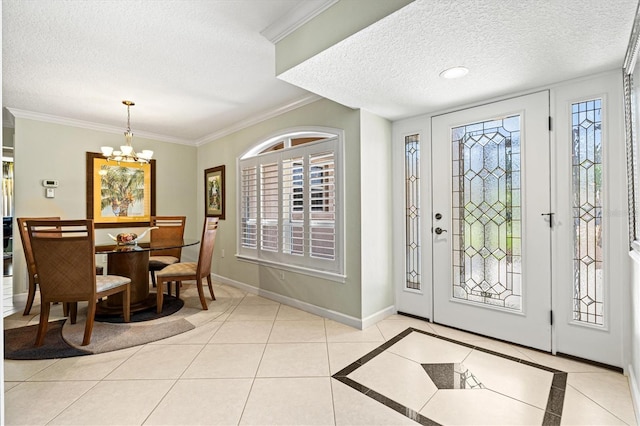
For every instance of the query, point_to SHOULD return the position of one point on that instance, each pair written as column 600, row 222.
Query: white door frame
column 616, row 202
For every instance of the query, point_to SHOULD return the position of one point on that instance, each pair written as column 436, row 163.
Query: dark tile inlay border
column 555, row 401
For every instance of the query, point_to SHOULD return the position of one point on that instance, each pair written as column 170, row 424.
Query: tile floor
column 255, row 361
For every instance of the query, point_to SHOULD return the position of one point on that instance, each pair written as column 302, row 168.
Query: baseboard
column 378, row 316
column 635, row 391
column 20, row 298
column 308, row 307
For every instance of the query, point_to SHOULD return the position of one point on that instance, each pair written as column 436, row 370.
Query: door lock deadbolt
column 438, row 216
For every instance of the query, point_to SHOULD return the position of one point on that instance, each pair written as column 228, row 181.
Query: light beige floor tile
column 157, row 362
column 519, row 381
column 609, row 390
column 120, row 402
column 580, row 410
column 243, row 332
column 198, row 336
column 19, row 370
column 337, row 332
column 10, row 385
column 202, row 402
column 503, row 348
column 480, row 407
column 459, row 335
column 288, row 313
column 254, row 312
column 354, row 408
column 560, row 363
column 398, row 378
column 343, row 354
column 294, row 360
column 254, row 299
column 429, row 350
column 289, row 401
column 226, row 361
column 298, row 332
column 91, row 367
column 392, row 327
column 37, row 403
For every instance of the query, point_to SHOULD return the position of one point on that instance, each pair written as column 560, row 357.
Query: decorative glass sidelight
column 588, row 291
column 486, row 238
column 412, row 211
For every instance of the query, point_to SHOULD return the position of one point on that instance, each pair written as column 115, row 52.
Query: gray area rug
column 64, row 339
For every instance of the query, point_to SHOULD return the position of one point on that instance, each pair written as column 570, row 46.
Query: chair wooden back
column 170, row 229
column 207, row 244
column 26, row 243
column 64, row 255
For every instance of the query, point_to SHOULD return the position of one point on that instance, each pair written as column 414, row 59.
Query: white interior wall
column 376, row 220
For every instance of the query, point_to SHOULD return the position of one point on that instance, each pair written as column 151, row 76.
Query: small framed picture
column 214, row 192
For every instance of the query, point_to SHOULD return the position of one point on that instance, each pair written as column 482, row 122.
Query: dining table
column 132, row 261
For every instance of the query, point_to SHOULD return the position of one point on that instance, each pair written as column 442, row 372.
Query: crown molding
column 259, row 118
column 295, row 18
column 633, row 47
column 48, row 118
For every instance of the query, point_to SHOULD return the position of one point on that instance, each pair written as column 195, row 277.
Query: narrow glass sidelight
column 412, row 212
column 588, row 288
column 486, row 240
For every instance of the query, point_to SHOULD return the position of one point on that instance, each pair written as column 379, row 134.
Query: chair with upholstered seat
column 64, row 256
column 170, row 229
column 28, row 255
column 179, row 272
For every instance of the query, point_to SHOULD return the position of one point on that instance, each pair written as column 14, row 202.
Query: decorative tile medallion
column 452, row 377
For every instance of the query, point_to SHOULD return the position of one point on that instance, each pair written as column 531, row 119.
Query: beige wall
column 53, row 151
column 344, row 298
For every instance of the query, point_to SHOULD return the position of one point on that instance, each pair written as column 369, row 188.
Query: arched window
column 290, row 202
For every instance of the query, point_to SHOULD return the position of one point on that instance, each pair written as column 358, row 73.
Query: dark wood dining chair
column 64, row 255
column 28, row 255
column 179, row 272
column 170, row 229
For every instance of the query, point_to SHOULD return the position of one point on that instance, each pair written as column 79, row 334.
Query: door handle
column 439, row 230
column 550, row 218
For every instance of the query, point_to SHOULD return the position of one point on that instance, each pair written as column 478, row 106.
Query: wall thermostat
column 50, row 183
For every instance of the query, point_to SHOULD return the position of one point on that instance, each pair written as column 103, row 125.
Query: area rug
column 18, row 343
column 170, row 306
column 64, row 339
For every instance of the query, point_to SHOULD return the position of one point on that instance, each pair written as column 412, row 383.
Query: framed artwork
column 214, row 202
column 120, row 194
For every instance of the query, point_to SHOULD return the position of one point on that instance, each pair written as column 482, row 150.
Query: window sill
column 325, row 275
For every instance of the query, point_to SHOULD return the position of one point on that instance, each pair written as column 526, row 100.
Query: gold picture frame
column 214, row 192
column 112, row 204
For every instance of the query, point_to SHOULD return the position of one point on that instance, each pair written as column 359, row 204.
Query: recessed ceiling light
column 455, row 72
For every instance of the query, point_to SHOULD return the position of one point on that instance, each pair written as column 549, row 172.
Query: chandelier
column 126, row 153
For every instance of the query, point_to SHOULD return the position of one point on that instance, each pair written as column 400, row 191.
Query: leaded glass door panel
column 491, row 244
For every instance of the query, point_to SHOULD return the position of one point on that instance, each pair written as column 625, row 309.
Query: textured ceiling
column 392, row 67
column 200, row 68
column 193, row 67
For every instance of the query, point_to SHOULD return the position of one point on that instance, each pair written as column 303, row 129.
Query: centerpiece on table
column 129, row 238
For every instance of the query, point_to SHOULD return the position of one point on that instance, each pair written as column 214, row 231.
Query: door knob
column 439, row 230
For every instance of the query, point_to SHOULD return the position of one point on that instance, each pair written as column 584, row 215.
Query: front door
column 491, row 224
